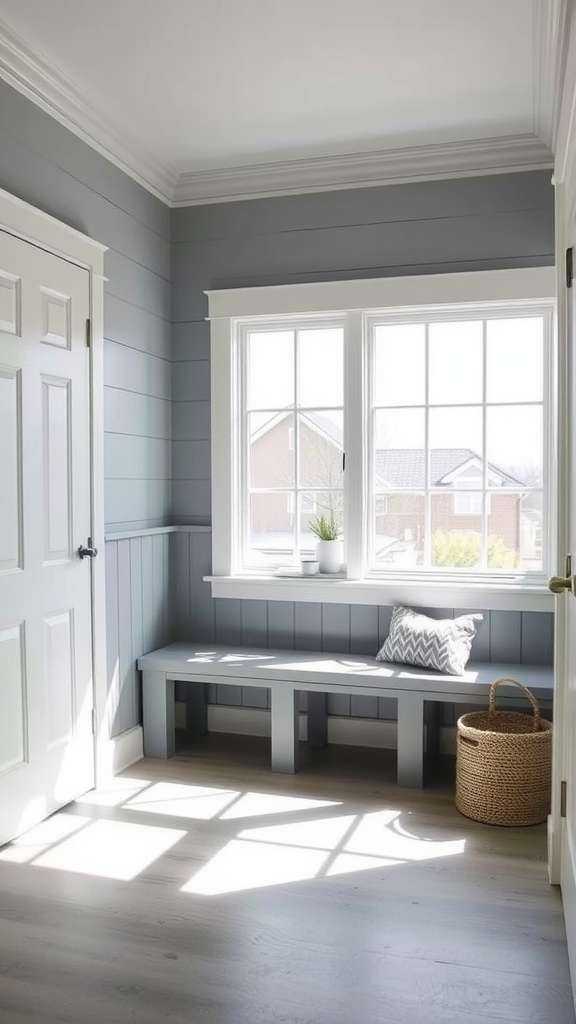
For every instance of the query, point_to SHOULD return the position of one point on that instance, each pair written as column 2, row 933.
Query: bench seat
column 287, row 673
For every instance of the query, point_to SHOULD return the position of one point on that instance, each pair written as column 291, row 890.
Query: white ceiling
column 178, row 91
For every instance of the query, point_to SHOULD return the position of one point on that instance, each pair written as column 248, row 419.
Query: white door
column 46, row 693
column 565, row 699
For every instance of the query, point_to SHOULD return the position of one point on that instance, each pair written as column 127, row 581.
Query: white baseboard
column 119, row 752
column 355, row 732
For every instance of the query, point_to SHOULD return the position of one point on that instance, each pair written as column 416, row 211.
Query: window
column 439, row 392
column 291, row 426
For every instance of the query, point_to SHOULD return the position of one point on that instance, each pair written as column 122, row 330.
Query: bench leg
column 284, row 729
column 411, row 740
column 432, row 722
column 158, row 714
column 195, row 698
column 317, row 719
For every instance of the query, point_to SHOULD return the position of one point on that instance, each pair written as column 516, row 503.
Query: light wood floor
column 332, row 897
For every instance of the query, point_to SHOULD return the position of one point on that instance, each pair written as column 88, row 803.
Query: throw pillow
column 416, row 639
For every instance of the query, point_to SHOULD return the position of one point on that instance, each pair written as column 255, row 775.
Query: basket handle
column 529, row 696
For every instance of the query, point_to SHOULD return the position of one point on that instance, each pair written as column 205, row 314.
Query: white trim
column 550, row 21
column 355, row 732
column 504, row 154
column 27, row 70
column 32, row 225
column 120, row 752
column 33, row 75
column 36, row 77
column 150, row 532
column 232, row 311
column 401, row 293
column 426, row 593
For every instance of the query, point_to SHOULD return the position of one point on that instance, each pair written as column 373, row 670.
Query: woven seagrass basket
column 504, row 764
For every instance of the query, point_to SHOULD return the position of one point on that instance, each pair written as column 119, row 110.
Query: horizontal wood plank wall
column 49, row 167
column 514, row 637
column 484, row 223
column 138, row 618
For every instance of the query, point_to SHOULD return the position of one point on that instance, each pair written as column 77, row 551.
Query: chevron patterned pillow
column 415, row 639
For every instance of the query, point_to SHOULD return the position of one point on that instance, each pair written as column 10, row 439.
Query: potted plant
column 329, row 549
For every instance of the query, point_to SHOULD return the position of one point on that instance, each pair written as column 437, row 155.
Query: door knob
column 88, row 552
column 557, row 584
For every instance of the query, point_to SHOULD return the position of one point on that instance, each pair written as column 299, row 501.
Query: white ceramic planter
column 330, row 554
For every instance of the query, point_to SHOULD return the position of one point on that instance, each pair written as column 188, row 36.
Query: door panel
column 10, row 462
column 46, row 692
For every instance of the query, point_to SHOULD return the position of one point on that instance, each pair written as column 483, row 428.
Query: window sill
column 423, row 594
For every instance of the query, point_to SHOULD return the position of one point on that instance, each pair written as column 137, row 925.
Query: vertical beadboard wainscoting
column 138, row 620
column 504, row 636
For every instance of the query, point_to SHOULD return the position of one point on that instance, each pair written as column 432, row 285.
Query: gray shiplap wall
column 47, row 166
column 490, row 222
column 138, row 618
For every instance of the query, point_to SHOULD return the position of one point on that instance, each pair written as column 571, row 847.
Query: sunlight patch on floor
column 318, row 834
column 42, row 836
column 116, row 792
column 177, row 800
column 252, row 805
column 322, row 847
column 111, row 849
column 244, row 865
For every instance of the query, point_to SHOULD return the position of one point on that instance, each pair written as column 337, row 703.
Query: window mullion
column 356, row 408
column 296, row 484
column 427, row 453
column 484, row 516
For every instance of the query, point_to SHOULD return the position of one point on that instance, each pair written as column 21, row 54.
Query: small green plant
column 324, row 527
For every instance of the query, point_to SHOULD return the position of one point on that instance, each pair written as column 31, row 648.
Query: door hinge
column 562, row 799
column 93, row 721
column 88, row 333
column 343, row 461
column 569, row 266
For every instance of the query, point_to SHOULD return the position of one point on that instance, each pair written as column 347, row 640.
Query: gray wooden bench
column 287, row 673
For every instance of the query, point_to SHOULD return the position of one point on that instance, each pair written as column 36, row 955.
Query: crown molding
column 550, row 27
column 361, row 170
column 28, row 71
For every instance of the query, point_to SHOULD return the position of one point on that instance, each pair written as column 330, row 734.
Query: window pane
column 455, row 362
column 504, row 531
column 270, row 529
column 320, row 367
column 399, row 457
column 320, row 442
column 398, row 530
column 531, row 531
column 514, row 446
column 271, row 450
column 270, row 369
column 399, row 364
column 455, row 439
column 329, row 504
column 514, row 359
column 456, row 540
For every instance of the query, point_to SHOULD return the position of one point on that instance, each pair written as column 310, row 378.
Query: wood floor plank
column 242, row 897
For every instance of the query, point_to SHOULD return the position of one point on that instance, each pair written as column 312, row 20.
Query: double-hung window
column 416, row 413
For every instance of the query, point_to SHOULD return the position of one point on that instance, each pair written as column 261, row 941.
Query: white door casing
column 562, row 824
column 51, row 601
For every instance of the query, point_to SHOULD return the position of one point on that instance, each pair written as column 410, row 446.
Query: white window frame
column 357, row 301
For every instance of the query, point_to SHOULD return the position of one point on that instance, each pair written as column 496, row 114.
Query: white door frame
column 40, row 229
